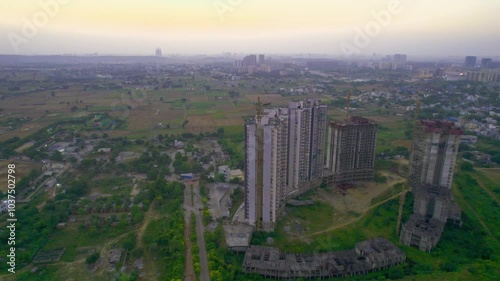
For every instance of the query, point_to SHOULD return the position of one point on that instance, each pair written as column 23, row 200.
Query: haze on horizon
column 422, row 28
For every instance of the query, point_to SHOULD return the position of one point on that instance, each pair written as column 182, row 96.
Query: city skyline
column 454, row 28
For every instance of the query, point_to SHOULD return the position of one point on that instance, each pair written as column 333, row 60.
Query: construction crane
column 405, row 190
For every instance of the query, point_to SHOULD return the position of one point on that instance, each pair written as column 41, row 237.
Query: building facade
column 434, row 152
column 266, row 151
column 351, row 150
column 306, row 151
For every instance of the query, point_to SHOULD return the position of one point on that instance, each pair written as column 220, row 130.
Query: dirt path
column 351, row 221
column 476, row 214
column 150, row 273
column 492, row 195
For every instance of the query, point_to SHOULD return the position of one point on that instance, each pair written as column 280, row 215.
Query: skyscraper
column 351, row 150
column 306, row 145
column 470, row 61
column 434, row 152
column 486, row 62
column 158, row 52
column 261, row 59
column 266, row 151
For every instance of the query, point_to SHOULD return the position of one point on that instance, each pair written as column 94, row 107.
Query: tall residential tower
column 266, row 143
column 306, row 145
column 434, row 152
column 351, row 150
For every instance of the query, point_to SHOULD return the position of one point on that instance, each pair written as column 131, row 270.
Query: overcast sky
column 423, row 27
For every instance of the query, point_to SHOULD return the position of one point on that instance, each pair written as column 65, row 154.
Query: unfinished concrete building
column 306, row 152
column 351, row 150
column 266, row 143
column 434, row 152
column 368, row 256
column 421, row 232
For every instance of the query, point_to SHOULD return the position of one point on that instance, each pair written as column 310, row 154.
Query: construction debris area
column 368, row 256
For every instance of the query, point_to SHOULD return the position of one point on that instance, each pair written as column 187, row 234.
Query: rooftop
column 238, row 234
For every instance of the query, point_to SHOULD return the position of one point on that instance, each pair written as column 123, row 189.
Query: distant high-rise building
column 249, row 60
column 261, row 59
column 306, row 144
column 486, row 62
column 399, row 58
column 440, row 72
column 351, row 150
column 158, row 52
column 435, row 149
column 266, row 155
column 470, row 61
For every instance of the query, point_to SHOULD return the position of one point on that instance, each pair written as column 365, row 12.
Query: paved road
column 189, row 274
column 204, row 272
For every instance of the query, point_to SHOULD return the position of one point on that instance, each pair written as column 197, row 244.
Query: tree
column 56, row 156
column 467, row 166
column 92, row 258
column 220, row 132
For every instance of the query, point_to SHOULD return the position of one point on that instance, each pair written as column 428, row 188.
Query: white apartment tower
column 306, row 145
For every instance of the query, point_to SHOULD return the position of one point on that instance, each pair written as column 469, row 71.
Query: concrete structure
column 306, row 142
column 266, row 142
column 368, row 256
column 238, row 236
column 434, row 151
column 351, row 150
column 421, row 232
column 433, row 202
column 483, row 76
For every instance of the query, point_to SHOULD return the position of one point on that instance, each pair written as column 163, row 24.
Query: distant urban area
column 245, row 166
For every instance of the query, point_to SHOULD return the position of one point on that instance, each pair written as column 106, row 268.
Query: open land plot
column 336, row 211
column 22, row 169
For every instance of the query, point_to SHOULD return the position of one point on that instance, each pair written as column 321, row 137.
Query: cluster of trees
column 182, row 164
column 165, row 236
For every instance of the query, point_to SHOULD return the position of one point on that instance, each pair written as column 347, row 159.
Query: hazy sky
column 423, row 27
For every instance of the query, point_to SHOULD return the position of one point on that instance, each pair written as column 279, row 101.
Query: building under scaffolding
column 368, row 256
column 351, row 150
column 434, row 152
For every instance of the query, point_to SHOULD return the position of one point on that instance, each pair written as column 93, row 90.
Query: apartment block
column 351, row 150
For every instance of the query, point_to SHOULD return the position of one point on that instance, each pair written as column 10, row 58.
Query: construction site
column 367, row 256
column 351, row 151
column 432, row 163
